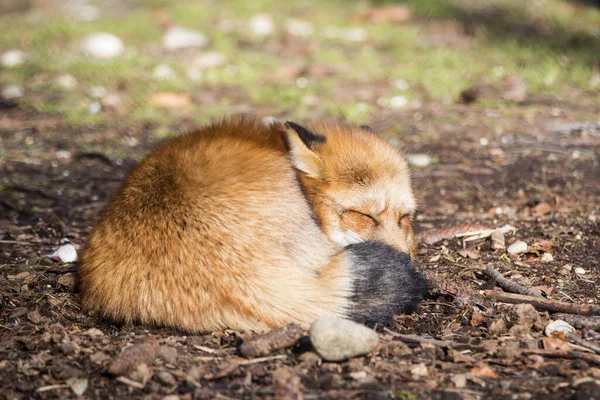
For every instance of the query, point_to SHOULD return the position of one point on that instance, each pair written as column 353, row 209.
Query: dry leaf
column 477, row 318
column 542, row 209
column 484, row 370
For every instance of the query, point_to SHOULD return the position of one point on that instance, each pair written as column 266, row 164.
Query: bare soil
column 494, row 166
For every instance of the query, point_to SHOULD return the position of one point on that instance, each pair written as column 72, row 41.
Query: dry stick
column 507, row 284
column 274, row 340
column 580, row 321
column 573, row 355
column 542, row 303
column 420, row 339
column 584, row 343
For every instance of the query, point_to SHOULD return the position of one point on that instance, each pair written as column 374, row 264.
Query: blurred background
column 174, row 64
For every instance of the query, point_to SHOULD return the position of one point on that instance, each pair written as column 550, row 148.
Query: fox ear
column 301, row 142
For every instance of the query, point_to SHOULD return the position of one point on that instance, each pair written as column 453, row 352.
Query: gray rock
column 337, row 339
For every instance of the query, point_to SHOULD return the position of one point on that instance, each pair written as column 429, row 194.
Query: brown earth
column 492, row 167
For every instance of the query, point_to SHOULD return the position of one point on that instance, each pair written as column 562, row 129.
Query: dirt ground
column 531, row 166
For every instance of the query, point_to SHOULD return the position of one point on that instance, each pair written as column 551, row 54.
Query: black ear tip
column 367, row 128
column 291, row 125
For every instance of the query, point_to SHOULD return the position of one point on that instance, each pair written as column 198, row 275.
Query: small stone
column 547, row 257
column 261, row 24
column 419, row 160
column 169, row 354
column 337, row 339
column 172, row 397
column 67, row 280
column 176, row 38
column 65, row 253
column 194, row 74
column 93, row 333
column 132, row 357
column 95, row 107
column 419, row 371
column 12, row 58
column 66, row 81
column 163, row 72
column 97, row 92
column 166, row 378
column 580, row 271
column 498, row 327
column 102, row 45
column 12, row 91
column 77, row 385
column 70, row 347
column 211, row 59
column 398, row 102
column 558, row 326
column 112, row 103
column 299, row 28
column 517, row 248
column 459, row 380
column 498, row 241
column 527, row 315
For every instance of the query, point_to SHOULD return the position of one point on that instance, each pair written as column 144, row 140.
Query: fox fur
column 250, row 226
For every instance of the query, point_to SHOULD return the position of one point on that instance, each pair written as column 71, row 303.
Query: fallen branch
column 274, row 340
column 542, row 303
column 583, row 343
column 572, row 355
column 507, row 284
column 230, row 369
column 580, row 321
column 420, row 339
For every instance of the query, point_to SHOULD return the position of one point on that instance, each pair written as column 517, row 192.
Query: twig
column 580, row 321
column 274, row 340
column 130, row 382
column 420, row 339
column 233, row 367
column 584, row 343
column 542, row 303
column 507, row 284
column 206, row 349
column 572, row 355
column 21, row 243
column 98, row 156
column 51, row 387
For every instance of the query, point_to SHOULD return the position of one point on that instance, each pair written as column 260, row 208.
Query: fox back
column 250, row 226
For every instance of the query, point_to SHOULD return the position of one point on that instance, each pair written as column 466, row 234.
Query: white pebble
column 163, row 72
column 299, row 28
column 209, row 60
column 194, row 74
column 12, row 92
column 483, row 141
column 517, row 247
column 179, row 38
column 337, row 339
column 66, row 81
column 398, row 102
column 558, row 326
column 102, row 45
column 419, row 160
column 547, row 257
column 580, row 271
column 97, row 91
column 401, row 84
column 261, row 24
column 65, row 253
column 12, row 58
column 95, row 107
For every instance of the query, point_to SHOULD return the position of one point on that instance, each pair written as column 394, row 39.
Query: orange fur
column 216, row 230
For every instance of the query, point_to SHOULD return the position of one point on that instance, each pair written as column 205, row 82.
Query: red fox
column 247, row 225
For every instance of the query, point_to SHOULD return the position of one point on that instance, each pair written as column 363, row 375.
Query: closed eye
column 405, row 217
column 365, row 215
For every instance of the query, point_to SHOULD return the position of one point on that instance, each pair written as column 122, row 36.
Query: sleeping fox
column 248, row 225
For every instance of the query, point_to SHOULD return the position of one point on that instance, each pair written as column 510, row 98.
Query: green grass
column 559, row 57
